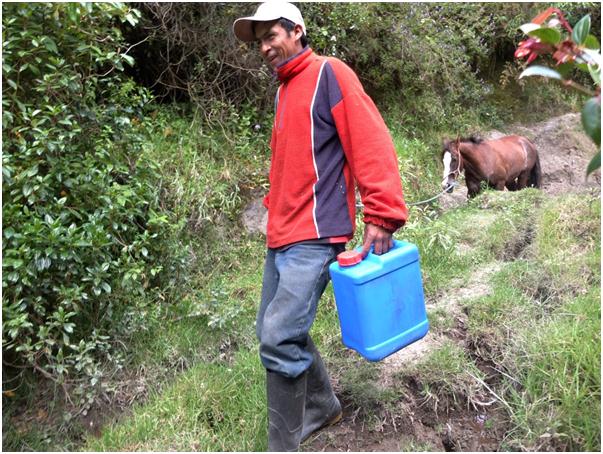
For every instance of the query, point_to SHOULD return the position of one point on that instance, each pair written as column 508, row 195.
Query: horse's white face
column 448, row 176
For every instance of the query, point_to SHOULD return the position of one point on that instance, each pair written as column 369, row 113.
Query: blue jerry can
column 380, row 300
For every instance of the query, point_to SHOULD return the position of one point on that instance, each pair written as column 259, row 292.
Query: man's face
column 275, row 43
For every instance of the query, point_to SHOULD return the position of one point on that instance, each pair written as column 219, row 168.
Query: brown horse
column 511, row 162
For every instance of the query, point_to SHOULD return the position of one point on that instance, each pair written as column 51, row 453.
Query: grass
column 359, row 383
column 551, row 352
column 215, row 314
column 559, row 404
column 447, row 377
column 211, row 407
column 539, row 324
column 558, row 355
column 548, row 348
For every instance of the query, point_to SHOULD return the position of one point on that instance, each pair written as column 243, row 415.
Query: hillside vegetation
column 526, row 359
column 133, row 137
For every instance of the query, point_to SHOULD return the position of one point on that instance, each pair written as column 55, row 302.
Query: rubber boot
column 286, row 398
column 322, row 406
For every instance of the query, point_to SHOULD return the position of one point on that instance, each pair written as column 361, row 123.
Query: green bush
column 430, row 67
column 414, row 55
column 84, row 235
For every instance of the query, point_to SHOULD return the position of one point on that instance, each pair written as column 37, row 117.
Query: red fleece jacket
column 328, row 136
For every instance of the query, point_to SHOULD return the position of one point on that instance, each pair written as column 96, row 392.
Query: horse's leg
column 499, row 185
column 522, row 179
column 473, row 188
column 511, row 185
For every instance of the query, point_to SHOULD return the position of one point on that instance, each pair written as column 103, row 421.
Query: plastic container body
column 380, row 301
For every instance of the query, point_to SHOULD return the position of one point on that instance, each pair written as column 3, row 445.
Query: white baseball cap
column 266, row 12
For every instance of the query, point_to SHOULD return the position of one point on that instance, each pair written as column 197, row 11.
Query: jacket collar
column 294, row 65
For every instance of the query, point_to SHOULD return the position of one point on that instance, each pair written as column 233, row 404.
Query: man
column 327, row 135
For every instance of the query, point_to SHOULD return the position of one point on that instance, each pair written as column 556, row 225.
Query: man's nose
column 264, row 48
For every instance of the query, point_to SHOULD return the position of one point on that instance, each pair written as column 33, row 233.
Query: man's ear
column 298, row 31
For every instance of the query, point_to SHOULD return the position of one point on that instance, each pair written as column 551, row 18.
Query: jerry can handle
column 354, row 256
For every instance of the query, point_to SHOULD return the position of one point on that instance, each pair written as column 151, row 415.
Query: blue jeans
column 294, row 280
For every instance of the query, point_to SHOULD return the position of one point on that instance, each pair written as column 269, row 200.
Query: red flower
column 532, row 48
column 566, row 52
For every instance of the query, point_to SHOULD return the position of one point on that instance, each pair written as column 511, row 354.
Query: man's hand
column 377, row 236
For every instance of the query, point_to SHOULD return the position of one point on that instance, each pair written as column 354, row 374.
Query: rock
column 255, row 217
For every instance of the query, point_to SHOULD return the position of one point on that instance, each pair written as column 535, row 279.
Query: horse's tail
column 535, row 180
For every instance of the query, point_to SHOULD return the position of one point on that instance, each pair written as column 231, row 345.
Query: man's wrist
column 385, row 225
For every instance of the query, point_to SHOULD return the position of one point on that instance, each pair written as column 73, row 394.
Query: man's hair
column 289, row 26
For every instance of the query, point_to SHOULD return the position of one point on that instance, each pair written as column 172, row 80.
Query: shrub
column 83, row 230
column 577, row 49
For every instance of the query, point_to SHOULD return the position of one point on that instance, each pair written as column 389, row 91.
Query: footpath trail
column 565, row 152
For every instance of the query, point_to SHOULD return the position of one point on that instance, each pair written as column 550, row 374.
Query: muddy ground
column 565, row 152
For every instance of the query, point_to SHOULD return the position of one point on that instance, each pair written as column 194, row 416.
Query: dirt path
column 564, row 152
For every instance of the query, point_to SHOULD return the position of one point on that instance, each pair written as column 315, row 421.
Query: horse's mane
column 473, row 139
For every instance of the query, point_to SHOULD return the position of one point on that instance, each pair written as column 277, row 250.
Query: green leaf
column 595, row 73
column 129, row 59
column 15, row 263
column 541, row 71
column 131, row 19
column 106, row 287
column 33, row 171
column 72, row 13
column 50, row 44
column 592, row 43
column 43, row 263
column 581, row 30
column 591, row 119
column 546, row 35
column 565, row 69
column 594, row 164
